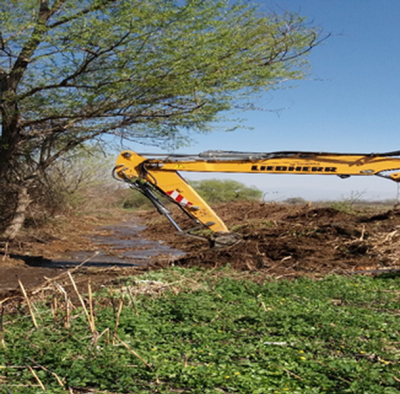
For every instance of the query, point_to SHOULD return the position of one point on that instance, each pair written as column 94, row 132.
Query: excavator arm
column 160, row 175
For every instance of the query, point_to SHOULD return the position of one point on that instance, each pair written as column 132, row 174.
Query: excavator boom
column 160, row 174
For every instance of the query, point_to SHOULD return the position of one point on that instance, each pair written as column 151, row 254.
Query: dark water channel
column 121, row 245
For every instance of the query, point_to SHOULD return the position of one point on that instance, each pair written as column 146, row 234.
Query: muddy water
column 119, row 245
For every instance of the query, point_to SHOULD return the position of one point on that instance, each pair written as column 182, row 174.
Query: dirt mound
column 285, row 240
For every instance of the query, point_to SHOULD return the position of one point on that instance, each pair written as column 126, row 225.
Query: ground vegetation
column 205, row 331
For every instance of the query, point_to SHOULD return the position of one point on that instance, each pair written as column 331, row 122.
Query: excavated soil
column 278, row 240
column 289, row 241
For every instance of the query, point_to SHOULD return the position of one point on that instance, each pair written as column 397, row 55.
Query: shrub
column 217, row 190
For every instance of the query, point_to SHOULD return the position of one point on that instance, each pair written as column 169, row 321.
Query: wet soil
column 278, row 240
column 99, row 249
column 290, row 241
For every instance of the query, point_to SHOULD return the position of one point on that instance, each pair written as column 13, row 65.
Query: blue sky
column 349, row 103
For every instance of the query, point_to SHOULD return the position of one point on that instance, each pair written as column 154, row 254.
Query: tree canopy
column 142, row 70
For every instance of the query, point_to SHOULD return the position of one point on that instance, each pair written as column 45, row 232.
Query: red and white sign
column 179, row 198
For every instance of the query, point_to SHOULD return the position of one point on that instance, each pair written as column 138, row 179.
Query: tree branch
column 70, row 18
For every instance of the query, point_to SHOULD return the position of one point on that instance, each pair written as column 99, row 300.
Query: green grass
column 212, row 332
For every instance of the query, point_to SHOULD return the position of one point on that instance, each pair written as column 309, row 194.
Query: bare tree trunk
column 19, row 216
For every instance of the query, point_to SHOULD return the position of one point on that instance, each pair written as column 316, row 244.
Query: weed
column 269, row 223
column 212, row 331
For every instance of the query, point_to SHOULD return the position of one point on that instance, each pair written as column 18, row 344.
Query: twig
column 59, row 381
column 67, row 310
column 4, row 300
column 289, row 372
column 133, row 352
column 374, row 271
column 333, row 369
column 5, row 251
column 80, row 298
column 36, row 377
column 100, row 335
column 132, row 300
column 263, row 306
column 29, row 303
column 213, row 289
column 72, row 270
column 3, row 344
column 121, row 304
column 362, row 233
column 92, row 324
column 38, row 288
column 185, row 360
column 54, row 308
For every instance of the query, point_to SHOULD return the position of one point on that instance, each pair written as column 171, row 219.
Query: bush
column 295, row 200
column 80, row 182
column 217, row 190
column 133, row 199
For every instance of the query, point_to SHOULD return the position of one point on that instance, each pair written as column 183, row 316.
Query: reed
column 28, row 302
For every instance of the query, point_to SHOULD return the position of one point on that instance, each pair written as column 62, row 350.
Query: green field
column 208, row 331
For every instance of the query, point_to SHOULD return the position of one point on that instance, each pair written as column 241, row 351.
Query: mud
column 277, row 240
column 289, row 241
column 118, row 245
column 102, row 253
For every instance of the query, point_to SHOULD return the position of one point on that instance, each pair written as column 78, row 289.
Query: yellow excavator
column 160, row 176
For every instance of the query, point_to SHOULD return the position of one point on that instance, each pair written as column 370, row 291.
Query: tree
column 216, row 190
column 143, row 70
